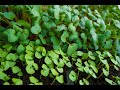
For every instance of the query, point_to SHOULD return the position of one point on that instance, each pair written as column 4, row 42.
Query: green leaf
column 35, row 65
column 117, row 23
column 12, row 56
column 86, row 81
column 35, row 10
column 60, row 64
column 17, row 81
column 56, row 14
column 42, row 39
column 20, row 49
column 16, row 69
column 110, row 81
column 28, row 57
column 79, row 53
column 39, row 83
column 68, row 64
column 8, row 47
column 38, row 55
column 24, row 23
column 3, row 76
column 54, row 72
column 107, row 34
column 71, row 49
column 105, row 72
column 6, row 65
column 6, row 83
column 48, row 60
column 61, row 27
column 85, row 56
column 64, row 36
column 71, row 27
column 73, row 76
column 81, row 82
column 90, row 54
column 3, row 53
column 45, row 18
column 55, row 42
column 102, row 25
column 9, row 15
column 54, row 56
column 33, row 79
column 12, row 38
column 94, row 68
column 30, row 69
column 36, row 29
column 45, row 70
column 89, row 24
column 60, row 79
column 60, row 70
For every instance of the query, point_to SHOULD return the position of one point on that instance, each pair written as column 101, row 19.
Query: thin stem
column 88, row 76
column 100, row 75
column 53, row 81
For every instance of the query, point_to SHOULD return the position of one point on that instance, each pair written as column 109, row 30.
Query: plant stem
column 88, row 76
column 100, row 75
column 53, row 81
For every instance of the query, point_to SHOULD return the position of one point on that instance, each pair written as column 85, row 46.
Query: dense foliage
column 59, row 44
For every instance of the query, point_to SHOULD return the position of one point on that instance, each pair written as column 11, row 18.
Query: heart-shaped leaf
column 71, row 49
column 17, row 81
column 73, row 76
column 60, row 79
column 36, row 29
column 9, row 15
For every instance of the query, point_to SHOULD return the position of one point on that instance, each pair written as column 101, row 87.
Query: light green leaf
column 33, row 79
column 64, row 36
column 6, row 83
column 12, row 38
column 27, row 56
column 60, row 79
column 30, row 69
column 71, row 49
column 110, row 81
column 117, row 23
column 24, row 23
column 60, row 70
column 90, row 54
column 36, row 29
column 16, row 69
column 68, row 64
column 54, row 72
column 8, row 47
column 85, row 56
column 81, row 82
column 12, row 56
column 61, row 27
column 17, row 81
column 20, row 49
column 71, row 27
column 38, row 55
column 105, row 72
column 35, row 65
column 9, row 15
column 48, row 60
column 73, row 76
column 79, row 53
column 61, row 64
column 102, row 25
column 3, row 76
column 86, row 81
